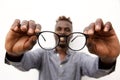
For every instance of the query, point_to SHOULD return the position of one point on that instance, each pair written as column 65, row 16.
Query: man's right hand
column 21, row 37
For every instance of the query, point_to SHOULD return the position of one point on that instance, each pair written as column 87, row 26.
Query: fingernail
column 97, row 27
column 106, row 29
column 30, row 31
column 90, row 32
column 24, row 28
column 37, row 30
column 85, row 32
column 16, row 28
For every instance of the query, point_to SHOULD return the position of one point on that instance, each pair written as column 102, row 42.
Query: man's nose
column 62, row 32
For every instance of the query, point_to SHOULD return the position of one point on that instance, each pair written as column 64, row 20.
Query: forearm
column 26, row 61
column 93, row 67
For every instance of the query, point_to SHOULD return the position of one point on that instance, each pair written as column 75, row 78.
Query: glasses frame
column 86, row 36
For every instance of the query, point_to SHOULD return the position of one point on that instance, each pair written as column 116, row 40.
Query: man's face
column 63, row 28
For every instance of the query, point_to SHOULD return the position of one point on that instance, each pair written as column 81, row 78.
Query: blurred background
column 45, row 12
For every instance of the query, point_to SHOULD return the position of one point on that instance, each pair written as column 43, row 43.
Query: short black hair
column 60, row 18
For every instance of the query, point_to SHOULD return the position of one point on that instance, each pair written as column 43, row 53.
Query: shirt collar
column 69, row 51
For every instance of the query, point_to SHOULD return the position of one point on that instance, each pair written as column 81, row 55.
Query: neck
column 61, row 52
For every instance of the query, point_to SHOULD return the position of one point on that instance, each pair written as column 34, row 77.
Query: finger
column 24, row 25
column 108, row 27
column 30, row 43
column 98, row 25
column 38, row 28
column 90, row 29
column 15, row 26
column 85, row 30
column 31, row 28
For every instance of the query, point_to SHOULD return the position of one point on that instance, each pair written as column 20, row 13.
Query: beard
column 63, row 41
column 62, row 45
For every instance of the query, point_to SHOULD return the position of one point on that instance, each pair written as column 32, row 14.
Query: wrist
column 108, row 60
column 14, row 58
column 106, row 64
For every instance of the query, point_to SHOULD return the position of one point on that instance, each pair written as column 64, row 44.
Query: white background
column 45, row 12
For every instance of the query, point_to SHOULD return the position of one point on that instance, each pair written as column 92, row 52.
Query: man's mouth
column 62, row 39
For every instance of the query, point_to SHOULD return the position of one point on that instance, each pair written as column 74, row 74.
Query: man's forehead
column 63, row 23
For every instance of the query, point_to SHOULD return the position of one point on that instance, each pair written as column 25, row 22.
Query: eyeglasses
column 50, row 40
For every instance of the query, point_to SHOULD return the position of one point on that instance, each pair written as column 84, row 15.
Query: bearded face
column 63, row 29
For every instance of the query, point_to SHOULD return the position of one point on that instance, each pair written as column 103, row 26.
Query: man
column 63, row 63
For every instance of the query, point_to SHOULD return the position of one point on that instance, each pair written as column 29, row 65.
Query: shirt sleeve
column 103, row 65
column 93, row 67
column 27, row 61
column 13, row 58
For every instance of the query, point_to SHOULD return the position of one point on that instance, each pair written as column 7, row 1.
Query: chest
column 69, row 65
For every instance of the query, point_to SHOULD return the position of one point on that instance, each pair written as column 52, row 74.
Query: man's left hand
column 103, row 41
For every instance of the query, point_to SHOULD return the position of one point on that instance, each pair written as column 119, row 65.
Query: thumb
column 91, row 45
column 30, row 43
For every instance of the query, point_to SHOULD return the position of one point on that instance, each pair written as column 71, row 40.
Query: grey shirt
column 50, row 67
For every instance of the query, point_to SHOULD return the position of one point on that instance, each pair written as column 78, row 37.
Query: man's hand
column 21, row 37
column 103, row 41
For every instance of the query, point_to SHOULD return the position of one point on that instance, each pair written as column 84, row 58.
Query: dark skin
column 63, row 28
column 102, row 39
